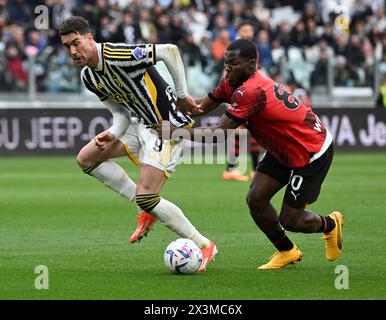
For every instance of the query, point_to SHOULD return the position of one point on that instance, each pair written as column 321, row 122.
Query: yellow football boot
column 334, row 238
column 281, row 259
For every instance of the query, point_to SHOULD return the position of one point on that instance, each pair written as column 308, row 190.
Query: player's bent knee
column 83, row 162
column 255, row 204
column 147, row 202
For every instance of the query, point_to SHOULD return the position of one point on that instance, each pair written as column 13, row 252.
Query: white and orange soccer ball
column 183, row 256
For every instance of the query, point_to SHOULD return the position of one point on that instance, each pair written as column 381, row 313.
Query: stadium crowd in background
column 303, row 33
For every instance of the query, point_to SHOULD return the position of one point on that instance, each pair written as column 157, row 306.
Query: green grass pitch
column 51, row 214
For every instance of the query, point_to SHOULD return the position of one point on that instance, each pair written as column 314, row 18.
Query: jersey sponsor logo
column 118, row 81
column 139, row 53
column 317, row 124
column 123, row 97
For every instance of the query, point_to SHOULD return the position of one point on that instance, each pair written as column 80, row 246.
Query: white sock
column 173, row 217
column 114, row 177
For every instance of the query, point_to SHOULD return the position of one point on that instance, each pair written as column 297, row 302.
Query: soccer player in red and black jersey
column 299, row 152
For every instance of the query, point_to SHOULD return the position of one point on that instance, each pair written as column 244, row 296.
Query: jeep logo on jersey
column 138, row 53
column 118, row 81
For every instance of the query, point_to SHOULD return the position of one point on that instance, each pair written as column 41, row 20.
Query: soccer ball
column 183, row 256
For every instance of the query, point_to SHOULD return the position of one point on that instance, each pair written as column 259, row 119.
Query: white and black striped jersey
column 129, row 78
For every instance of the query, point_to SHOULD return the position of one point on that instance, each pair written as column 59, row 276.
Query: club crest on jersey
column 139, row 53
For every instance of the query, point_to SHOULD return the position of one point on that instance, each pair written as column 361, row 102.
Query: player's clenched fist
column 104, row 139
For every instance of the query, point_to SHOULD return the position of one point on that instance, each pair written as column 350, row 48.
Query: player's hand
column 189, row 106
column 104, row 140
column 164, row 129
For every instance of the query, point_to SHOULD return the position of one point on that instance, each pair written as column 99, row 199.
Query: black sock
column 230, row 166
column 328, row 224
column 281, row 241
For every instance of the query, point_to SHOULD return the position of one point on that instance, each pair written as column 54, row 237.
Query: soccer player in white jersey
column 124, row 78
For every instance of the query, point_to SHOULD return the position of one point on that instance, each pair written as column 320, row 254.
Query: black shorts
column 303, row 184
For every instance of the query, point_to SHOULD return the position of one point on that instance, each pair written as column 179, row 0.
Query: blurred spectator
column 245, row 30
column 299, row 34
column 4, row 15
column 265, row 50
column 16, row 39
column 328, row 35
column 220, row 23
column 218, row 49
column 283, row 35
column 129, row 31
column 37, row 40
column 177, row 29
column 107, row 30
column 312, row 37
column 236, row 14
column 147, row 27
column 16, row 77
column 164, row 31
column 196, row 26
column 319, row 74
column 20, row 13
column 62, row 76
column 310, row 13
column 195, row 21
column 191, row 53
column 260, row 11
column 355, row 61
column 97, row 12
column 250, row 16
column 206, row 53
column 61, row 11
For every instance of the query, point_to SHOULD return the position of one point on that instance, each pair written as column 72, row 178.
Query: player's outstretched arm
column 166, row 131
column 197, row 107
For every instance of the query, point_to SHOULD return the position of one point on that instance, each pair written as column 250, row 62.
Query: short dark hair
column 74, row 24
column 247, row 49
column 243, row 23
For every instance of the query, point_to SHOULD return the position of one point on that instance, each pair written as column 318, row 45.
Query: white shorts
column 143, row 146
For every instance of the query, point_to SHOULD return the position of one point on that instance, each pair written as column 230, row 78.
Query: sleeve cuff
column 234, row 118
column 211, row 96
